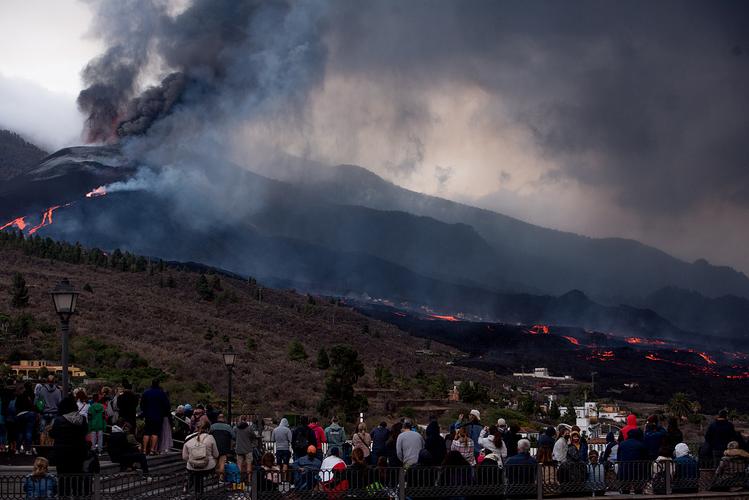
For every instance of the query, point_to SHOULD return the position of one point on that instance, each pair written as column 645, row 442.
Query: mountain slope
column 542, row 259
column 17, row 155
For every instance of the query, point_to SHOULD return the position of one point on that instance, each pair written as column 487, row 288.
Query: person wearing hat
column 305, row 473
column 473, row 428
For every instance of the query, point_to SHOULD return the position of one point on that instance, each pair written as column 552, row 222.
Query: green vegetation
column 204, row 289
column 681, row 406
column 102, row 360
column 473, row 392
column 19, row 292
column 323, row 362
column 383, row 376
column 296, row 351
column 338, row 395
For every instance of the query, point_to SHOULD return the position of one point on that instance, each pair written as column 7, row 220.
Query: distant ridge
column 17, row 155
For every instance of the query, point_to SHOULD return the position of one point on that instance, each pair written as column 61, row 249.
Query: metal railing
column 416, row 482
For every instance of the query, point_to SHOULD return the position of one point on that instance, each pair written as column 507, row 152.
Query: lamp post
column 64, row 297
column 229, row 358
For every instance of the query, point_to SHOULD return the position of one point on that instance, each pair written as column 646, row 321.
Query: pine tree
column 296, row 351
column 204, row 289
column 19, row 292
column 323, row 362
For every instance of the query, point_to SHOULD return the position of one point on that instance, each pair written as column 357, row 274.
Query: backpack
column 197, row 455
column 299, row 440
column 112, row 411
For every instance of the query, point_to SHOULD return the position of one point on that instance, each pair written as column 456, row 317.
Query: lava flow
column 640, row 340
column 47, row 218
column 19, row 222
column 100, row 191
column 571, row 340
column 539, row 330
column 445, row 317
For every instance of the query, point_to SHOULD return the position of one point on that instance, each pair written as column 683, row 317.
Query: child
column 596, row 480
column 96, row 424
column 40, row 484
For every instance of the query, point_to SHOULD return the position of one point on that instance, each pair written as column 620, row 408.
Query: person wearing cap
column 306, row 468
column 473, row 427
column 719, row 434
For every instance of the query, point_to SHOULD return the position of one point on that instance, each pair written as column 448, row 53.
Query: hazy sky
column 602, row 118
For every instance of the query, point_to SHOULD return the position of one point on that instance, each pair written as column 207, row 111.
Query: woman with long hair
column 390, row 449
column 200, row 452
column 361, row 440
column 491, row 440
column 463, row 444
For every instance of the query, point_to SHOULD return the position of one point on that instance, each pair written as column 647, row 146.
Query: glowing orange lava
column 539, row 330
column 445, row 317
column 19, row 222
column 707, row 358
column 572, row 340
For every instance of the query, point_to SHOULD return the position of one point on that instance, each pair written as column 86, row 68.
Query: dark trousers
column 128, row 459
column 196, row 480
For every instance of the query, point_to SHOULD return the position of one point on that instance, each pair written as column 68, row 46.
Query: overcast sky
column 603, row 118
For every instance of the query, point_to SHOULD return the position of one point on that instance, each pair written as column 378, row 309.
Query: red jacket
column 631, row 424
column 319, row 434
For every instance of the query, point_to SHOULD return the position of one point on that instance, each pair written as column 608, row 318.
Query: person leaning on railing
column 731, row 473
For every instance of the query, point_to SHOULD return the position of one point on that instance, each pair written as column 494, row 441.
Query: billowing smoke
column 218, row 56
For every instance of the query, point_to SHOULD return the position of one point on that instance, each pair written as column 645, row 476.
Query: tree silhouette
column 19, row 292
column 338, row 394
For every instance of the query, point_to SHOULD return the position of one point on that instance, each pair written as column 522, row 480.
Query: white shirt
column 326, row 467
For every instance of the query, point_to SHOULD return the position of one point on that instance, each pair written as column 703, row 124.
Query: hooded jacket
column 631, row 424
column 486, row 441
column 51, row 395
column 69, row 432
column 335, row 436
column 719, row 434
column 319, row 434
column 246, row 437
column 547, row 438
column 282, row 436
column 632, row 449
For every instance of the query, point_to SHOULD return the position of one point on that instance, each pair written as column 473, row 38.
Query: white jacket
column 487, row 441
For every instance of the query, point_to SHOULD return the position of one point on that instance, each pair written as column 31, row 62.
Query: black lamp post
column 64, row 297
column 229, row 358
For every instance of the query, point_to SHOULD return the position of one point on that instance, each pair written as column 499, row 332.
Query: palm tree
column 680, row 405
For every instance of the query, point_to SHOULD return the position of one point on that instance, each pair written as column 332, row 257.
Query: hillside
column 17, row 155
column 176, row 331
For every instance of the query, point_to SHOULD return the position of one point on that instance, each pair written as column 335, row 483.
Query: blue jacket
column 653, row 441
column 380, row 437
column 632, row 450
column 521, row 469
column 154, row 404
column 305, row 476
column 686, row 468
column 43, row 487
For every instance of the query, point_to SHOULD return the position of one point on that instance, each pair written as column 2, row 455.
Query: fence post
column 253, row 484
column 97, row 487
column 667, row 465
column 539, row 481
column 402, row 484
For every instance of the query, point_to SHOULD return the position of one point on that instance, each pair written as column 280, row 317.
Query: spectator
column 661, row 468
column 357, row 471
column 687, row 471
column 731, row 472
column 391, row 450
column 200, row 452
column 633, row 471
column 40, row 483
column 362, row 440
column 302, row 437
column 96, row 424
column 69, row 430
column 25, row 418
column 331, row 461
column 435, row 443
column 631, row 424
column 559, row 453
column 655, row 437
column 51, row 395
column 511, row 439
column 3, row 428
column 82, row 402
column 270, row 476
column 223, row 434
column 674, row 435
column 548, row 470
column 306, row 474
column 595, row 480
column 408, row 445
column 320, row 438
column 181, row 423
column 464, row 445
column 380, row 435
column 473, row 429
column 455, row 471
column 247, row 446
column 547, row 438
column 335, row 435
column 491, row 440
column 124, row 448
column 609, row 453
column 521, row 469
column 282, row 435
column 127, row 404
column 719, row 434
column 421, row 475
column 572, row 471
column 155, row 406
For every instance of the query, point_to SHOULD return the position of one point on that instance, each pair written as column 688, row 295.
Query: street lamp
column 229, row 358
column 64, row 297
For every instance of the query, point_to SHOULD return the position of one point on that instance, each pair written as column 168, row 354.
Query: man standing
column 473, row 428
column 719, row 434
column 408, row 445
column 127, row 404
column 50, row 395
column 380, row 435
column 223, row 434
column 155, row 407
column 335, row 434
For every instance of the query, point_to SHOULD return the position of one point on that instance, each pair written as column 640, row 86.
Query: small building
column 28, row 368
column 542, row 373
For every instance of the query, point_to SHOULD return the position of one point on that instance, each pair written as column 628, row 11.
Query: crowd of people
column 309, row 456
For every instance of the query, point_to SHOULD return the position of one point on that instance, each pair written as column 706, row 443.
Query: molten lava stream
column 571, row 340
column 47, row 218
column 445, row 317
column 19, row 222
